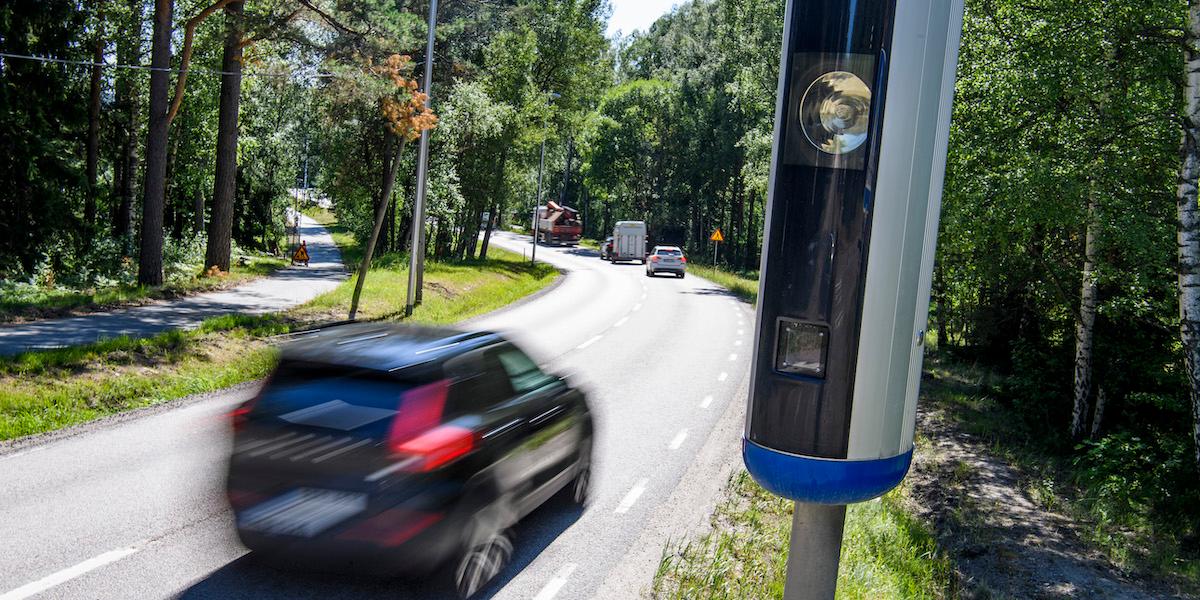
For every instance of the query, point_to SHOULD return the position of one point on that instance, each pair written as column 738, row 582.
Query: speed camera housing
column 861, row 128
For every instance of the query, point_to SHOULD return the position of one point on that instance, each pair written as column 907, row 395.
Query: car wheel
column 581, row 486
column 681, row 275
column 481, row 563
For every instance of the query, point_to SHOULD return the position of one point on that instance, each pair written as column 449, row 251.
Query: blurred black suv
column 405, row 449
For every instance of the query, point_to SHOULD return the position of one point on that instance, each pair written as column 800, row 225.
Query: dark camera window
column 801, row 348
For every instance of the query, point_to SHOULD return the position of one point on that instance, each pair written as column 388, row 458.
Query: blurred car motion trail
column 404, row 450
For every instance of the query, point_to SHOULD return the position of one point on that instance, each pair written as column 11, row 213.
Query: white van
column 629, row 241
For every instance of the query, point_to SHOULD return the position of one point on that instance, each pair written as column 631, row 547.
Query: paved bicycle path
column 281, row 290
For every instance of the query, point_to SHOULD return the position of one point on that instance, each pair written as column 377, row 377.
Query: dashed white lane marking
column 643, row 295
column 706, row 402
column 637, row 307
column 741, row 331
column 69, row 573
column 678, row 439
column 588, row 343
column 638, row 489
column 722, row 376
column 554, row 585
column 737, row 343
column 732, row 357
column 621, row 322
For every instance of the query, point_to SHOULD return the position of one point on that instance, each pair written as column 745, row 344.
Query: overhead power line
column 88, row 63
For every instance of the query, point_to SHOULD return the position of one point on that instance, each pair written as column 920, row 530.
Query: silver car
column 666, row 259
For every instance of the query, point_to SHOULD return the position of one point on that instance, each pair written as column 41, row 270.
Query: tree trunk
column 150, row 268
column 1085, row 325
column 220, row 225
column 198, row 211
column 129, row 100
column 1098, row 417
column 389, row 181
column 487, row 232
column 943, row 311
column 1188, row 232
column 93, row 139
column 172, row 220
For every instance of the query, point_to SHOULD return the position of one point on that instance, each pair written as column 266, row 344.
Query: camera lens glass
column 834, row 112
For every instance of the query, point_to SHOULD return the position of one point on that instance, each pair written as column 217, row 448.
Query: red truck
column 558, row 224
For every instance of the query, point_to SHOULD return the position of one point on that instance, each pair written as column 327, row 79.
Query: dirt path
column 1004, row 544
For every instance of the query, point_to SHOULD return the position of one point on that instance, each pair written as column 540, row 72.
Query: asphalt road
column 133, row 507
column 282, row 289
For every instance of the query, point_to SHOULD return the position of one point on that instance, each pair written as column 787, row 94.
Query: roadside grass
column 742, row 285
column 47, row 390
column 20, row 301
column 886, row 553
column 453, row 290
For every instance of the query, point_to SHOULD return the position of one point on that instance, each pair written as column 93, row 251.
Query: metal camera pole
column 416, row 259
column 537, row 202
column 814, row 551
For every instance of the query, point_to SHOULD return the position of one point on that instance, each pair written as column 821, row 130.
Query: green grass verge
column 18, row 301
column 742, row 286
column 886, row 553
column 47, row 390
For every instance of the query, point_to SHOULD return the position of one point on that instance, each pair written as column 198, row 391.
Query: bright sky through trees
column 630, row 15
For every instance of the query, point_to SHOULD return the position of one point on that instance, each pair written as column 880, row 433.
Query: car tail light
column 436, row 448
column 417, row 432
column 683, row 258
column 420, row 410
column 240, row 415
column 653, row 259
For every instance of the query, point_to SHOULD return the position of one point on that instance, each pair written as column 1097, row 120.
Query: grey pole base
column 814, row 552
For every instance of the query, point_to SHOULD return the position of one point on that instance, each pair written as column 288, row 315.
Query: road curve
column 134, row 508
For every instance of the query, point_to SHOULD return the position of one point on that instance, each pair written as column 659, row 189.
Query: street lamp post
column 537, row 202
column 416, row 259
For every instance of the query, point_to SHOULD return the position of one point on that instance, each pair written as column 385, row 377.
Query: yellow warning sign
column 716, row 236
column 301, row 255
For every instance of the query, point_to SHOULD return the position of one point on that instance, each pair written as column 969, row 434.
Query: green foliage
column 684, row 142
column 1141, row 482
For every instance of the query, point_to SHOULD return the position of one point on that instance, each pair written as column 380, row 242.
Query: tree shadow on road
column 251, row 576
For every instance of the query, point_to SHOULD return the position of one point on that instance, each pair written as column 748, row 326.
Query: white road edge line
column 706, row 402
column 588, row 343
column 621, row 322
column 22, row 453
column 554, row 585
column 638, row 489
column 637, row 307
column 69, row 573
column 678, row 440
column 722, row 376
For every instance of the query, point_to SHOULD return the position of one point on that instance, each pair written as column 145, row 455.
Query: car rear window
column 334, row 397
column 670, row 253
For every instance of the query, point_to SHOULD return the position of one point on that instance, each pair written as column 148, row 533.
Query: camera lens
column 834, row 112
